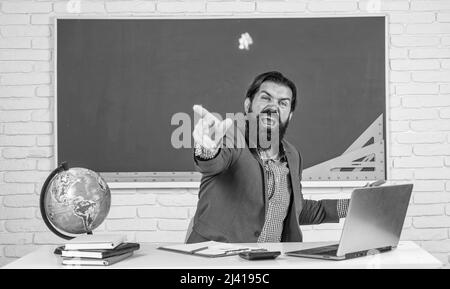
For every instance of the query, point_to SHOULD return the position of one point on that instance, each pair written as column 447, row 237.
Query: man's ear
column 290, row 116
column 247, row 103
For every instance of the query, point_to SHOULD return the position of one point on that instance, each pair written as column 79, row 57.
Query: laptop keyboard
column 327, row 250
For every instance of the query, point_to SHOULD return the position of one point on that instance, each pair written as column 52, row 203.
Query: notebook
column 95, row 262
column 101, row 253
column 210, row 249
column 90, row 242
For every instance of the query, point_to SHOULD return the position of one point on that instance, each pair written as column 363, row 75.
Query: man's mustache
column 270, row 111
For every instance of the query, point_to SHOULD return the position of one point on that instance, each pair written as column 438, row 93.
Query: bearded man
column 250, row 191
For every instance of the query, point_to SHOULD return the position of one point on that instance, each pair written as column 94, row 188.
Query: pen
column 244, row 250
column 235, row 250
column 199, row 249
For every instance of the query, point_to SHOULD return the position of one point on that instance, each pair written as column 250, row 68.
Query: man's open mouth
column 269, row 119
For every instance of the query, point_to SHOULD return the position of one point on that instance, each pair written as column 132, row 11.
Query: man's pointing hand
column 209, row 130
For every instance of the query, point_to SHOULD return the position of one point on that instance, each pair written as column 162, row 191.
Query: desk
column 406, row 255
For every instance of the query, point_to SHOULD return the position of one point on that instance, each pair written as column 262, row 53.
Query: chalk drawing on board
column 245, row 41
column 364, row 159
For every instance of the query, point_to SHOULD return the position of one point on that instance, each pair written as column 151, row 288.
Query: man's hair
column 276, row 77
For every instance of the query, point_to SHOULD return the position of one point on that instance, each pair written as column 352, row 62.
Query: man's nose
column 273, row 107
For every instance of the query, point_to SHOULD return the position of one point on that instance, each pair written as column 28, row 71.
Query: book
column 101, row 253
column 95, row 262
column 91, row 242
column 210, row 249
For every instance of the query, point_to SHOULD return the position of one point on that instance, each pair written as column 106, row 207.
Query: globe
column 74, row 201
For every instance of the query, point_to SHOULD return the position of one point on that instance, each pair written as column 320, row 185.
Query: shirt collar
column 282, row 154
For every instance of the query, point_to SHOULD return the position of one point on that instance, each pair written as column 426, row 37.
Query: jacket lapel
column 294, row 165
column 263, row 175
column 252, row 148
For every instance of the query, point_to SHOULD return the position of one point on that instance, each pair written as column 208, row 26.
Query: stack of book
column 96, row 250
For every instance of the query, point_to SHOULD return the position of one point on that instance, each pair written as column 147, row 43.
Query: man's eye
column 284, row 103
column 265, row 98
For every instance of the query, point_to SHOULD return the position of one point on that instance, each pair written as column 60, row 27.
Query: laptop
column 373, row 224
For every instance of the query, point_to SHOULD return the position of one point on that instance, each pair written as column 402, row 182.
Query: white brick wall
column 419, row 66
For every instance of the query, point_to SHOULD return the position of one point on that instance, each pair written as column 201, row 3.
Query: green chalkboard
column 120, row 81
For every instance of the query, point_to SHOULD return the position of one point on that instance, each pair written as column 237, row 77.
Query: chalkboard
column 120, row 81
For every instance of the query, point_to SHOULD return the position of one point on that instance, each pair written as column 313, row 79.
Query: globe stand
column 62, row 167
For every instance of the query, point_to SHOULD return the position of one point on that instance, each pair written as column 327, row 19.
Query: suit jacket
column 232, row 204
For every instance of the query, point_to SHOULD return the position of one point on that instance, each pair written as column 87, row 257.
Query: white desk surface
column 406, row 255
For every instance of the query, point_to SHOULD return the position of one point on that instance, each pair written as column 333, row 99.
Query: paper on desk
column 224, row 249
column 189, row 248
column 209, row 248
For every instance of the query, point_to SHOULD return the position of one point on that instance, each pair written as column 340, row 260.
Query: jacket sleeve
column 230, row 151
column 317, row 212
column 221, row 162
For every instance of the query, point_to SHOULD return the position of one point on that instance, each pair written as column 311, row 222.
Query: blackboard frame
column 191, row 179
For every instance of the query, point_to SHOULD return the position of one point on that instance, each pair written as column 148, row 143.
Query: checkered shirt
column 278, row 198
column 342, row 207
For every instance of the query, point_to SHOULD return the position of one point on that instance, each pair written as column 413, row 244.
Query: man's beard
column 267, row 133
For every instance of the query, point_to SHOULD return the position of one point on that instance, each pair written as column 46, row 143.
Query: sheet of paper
column 190, row 247
column 223, row 248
